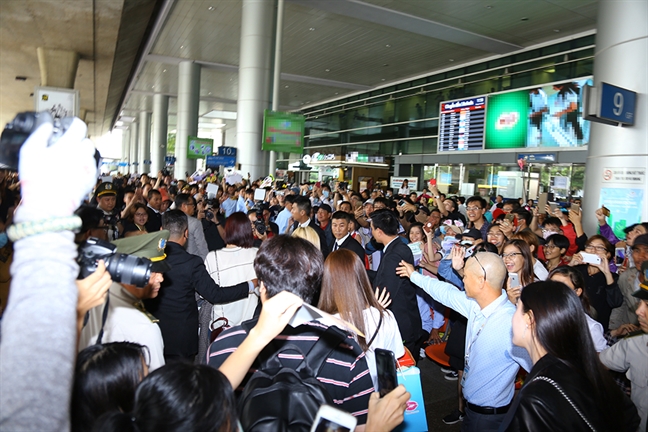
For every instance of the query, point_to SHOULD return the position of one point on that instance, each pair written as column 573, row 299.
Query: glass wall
column 403, row 119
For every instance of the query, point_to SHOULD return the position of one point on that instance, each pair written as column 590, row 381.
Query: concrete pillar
column 125, row 153
column 134, row 150
column 58, row 68
column 159, row 132
column 145, row 142
column 188, row 100
column 621, row 59
column 254, row 78
column 276, row 76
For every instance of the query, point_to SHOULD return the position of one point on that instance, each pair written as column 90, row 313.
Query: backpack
column 281, row 399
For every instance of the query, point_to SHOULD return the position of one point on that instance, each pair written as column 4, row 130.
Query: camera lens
column 24, row 122
column 129, row 269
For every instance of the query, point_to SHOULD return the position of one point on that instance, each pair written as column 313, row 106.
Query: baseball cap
column 472, row 233
column 642, row 292
column 641, row 240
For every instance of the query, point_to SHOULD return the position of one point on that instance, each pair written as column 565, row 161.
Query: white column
column 188, row 100
column 254, row 77
column 276, row 76
column 145, row 142
column 125, row 153
column 134, row 155
column 621, row 59
column 159, row 128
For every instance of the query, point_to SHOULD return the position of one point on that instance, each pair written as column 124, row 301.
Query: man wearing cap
column 176, row 306
column 323, row 216
column 624, row 319
column 127, row 319
column 630, row 355
column 106, row 196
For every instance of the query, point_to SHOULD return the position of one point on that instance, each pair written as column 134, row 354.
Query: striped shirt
column 345, row 374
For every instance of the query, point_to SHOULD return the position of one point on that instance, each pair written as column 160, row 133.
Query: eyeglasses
column 473, row 208
column 480, row 265
column 550, row 246
column 510, row 255
column 596, row 248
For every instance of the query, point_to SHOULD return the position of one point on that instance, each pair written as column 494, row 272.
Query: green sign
column 198, row 148
column 506, row 120
column 283, row 132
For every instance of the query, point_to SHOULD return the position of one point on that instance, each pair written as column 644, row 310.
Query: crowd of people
column 526, row 293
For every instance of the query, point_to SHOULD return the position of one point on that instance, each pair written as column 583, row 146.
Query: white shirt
column 596, row 330
column 540, row 271
column 340, row 241
column 388, row 337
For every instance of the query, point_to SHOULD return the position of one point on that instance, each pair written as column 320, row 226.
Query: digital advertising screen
column 546, row 116
column 198, row 148
column 283, row 132
column 461, row 124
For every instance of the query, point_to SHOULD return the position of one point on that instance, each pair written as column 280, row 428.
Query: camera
column 18, row 130
column 165, row 171
column 259, row 226
column 127, row 269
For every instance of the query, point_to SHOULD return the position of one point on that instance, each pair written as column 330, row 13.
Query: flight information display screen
column 462, row 124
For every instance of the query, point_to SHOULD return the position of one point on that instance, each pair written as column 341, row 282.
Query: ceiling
column 331, row 48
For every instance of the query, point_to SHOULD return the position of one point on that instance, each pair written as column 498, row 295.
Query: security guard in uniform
column 106, row 196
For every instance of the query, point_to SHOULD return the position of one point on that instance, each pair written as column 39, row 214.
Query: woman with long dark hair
column 178, row 397
column 346, row 291
column 105, row 380
column 568, row 389
column 518, row 260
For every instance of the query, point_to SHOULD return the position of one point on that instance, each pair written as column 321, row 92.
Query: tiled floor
column 440, row 396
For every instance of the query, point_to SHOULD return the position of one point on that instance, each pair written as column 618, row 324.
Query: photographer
column 36, row 369
column 213, row 224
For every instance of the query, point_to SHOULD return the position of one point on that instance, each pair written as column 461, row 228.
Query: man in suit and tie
column 340, row 226
column 301, row 214
column 384, row 226
column 175, row 307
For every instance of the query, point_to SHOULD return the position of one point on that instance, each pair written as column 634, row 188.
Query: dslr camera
column 127, row 269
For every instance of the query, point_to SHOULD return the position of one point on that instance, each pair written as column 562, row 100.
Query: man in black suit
column 301, row 214
column 154, row 222
column 340, row 222
column 175, row 306
column 384, row 226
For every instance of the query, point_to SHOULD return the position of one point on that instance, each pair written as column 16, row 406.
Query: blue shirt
column 492, row 358
column 240, row 205
column 228, row 206
column 282, row 220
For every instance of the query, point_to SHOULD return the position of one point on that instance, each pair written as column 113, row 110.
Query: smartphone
column 401, row 203
column 554, row 206
column 515, row 280
column 333, row 419
column 542, row 202
column 590, row 258
column 509, row 217
column 386, row 367
column 619, row 256
column 606, row 211
column 575, row 207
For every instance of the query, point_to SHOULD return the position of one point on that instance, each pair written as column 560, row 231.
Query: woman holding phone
column 519, row 264
column 600, row 282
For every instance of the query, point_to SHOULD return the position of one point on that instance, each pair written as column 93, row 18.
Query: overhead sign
column 461, row 124
column 617, row 104
column 397, row 182
column 169, row 160
column 227, row 151
column 625, row 175
column 537, row 157
column 216, row 161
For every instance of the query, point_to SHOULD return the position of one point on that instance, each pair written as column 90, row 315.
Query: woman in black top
column 600, row 283
column 568, row 389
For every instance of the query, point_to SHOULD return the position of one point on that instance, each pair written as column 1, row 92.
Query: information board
column 283, row 132
column 198, row 148
column 461, row 124
column 618, row 104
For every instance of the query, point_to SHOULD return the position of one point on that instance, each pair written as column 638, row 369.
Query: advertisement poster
column 547, row 116
column 283, row 132
column 198, row 148
column 58, row 101
column 625, row 207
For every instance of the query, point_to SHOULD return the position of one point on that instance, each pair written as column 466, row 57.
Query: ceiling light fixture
column 311, row 29
column 327, row 70
column 451, row 60
column 209, row 93
column 388, row 46
column 524, row 19
column 488, row 7
column 557, row 30
column 211, row 8
column 164, row 71
column 181, row 46
column 285, row 86
column 385, row 64
column 382, row 79
column 152, row 87
column 21, row 78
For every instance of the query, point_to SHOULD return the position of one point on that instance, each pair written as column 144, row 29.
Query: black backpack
column 281, row 399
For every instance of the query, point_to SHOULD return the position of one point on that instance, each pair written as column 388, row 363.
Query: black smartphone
column 386, row 367
column 401, row 203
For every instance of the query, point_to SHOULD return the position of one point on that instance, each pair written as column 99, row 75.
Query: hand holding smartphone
column 514, row 280
column 590, row 258
column 333, row 419
column 386, row 367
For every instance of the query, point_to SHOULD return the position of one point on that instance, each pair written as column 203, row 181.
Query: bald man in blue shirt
column 491, row 360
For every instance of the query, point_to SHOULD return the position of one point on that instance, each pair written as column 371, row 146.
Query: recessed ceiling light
column 451, row 60
column 337, row 93
column 385, row 64
column 311, row 29
column 488, row 7
column 285, row 86
column 382, row 79
column 388, row 46
column 164, row 71
column 327, row 70
column 209, row 93
column 524, row 19
column 211, row 8
column 557, row 30
column 152, row 87
column 181, row 46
